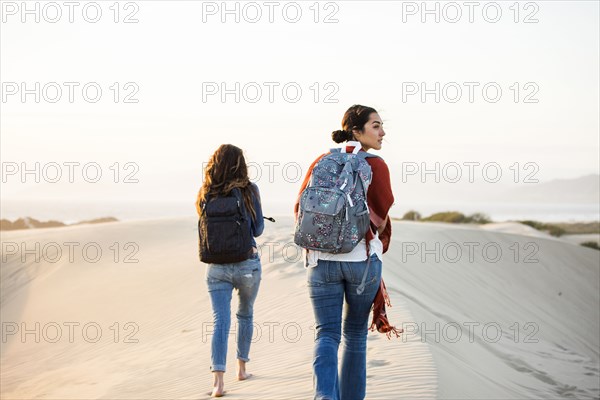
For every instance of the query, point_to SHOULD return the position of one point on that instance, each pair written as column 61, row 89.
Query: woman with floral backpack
column 335, row 277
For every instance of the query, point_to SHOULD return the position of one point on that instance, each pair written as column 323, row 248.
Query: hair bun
column 341, row 135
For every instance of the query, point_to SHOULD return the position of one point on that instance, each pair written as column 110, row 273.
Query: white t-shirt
column 359, row 253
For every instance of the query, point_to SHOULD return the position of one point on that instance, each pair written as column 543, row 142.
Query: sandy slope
column 155, row 317
column 547, row 292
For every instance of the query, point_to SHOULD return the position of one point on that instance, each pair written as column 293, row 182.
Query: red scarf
column 380, row 199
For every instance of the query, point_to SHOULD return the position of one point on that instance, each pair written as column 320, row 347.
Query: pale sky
column 366, row 57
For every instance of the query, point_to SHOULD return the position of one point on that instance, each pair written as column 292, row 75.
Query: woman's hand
column 382, row 227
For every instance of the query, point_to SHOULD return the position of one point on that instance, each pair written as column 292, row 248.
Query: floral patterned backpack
column 333, row 215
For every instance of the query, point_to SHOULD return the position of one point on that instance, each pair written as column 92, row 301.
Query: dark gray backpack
column 223, row 232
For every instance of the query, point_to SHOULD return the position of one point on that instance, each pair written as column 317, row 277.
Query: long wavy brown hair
column 225, row 171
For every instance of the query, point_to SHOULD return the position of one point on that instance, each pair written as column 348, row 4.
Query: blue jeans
column 221, row 279
column 328, row 283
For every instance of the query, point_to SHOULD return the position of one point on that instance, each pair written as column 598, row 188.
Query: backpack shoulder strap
column 237, row 193
column 242, row 204
column 365, row 155
column 204, row 203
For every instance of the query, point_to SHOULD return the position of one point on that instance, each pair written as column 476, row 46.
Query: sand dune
column 514, row 228
column 155, row 317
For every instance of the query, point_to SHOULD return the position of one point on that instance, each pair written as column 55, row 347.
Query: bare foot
column 242, row 375
column 218, row 385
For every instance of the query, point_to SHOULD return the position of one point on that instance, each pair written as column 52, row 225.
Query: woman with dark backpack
column 230, row 216
column 355, row 275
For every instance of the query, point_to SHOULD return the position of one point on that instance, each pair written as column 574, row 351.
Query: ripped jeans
column 221, row 279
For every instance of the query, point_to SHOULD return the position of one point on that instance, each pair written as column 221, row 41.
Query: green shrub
column 448, row 216
column 533, row 224
column 580, row 228
column 591, row 245
column 478, row 218
column 555, row 230
column 552, row 229
column 411, row 215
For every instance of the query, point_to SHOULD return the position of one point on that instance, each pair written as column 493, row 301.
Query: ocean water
column 69, row 212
